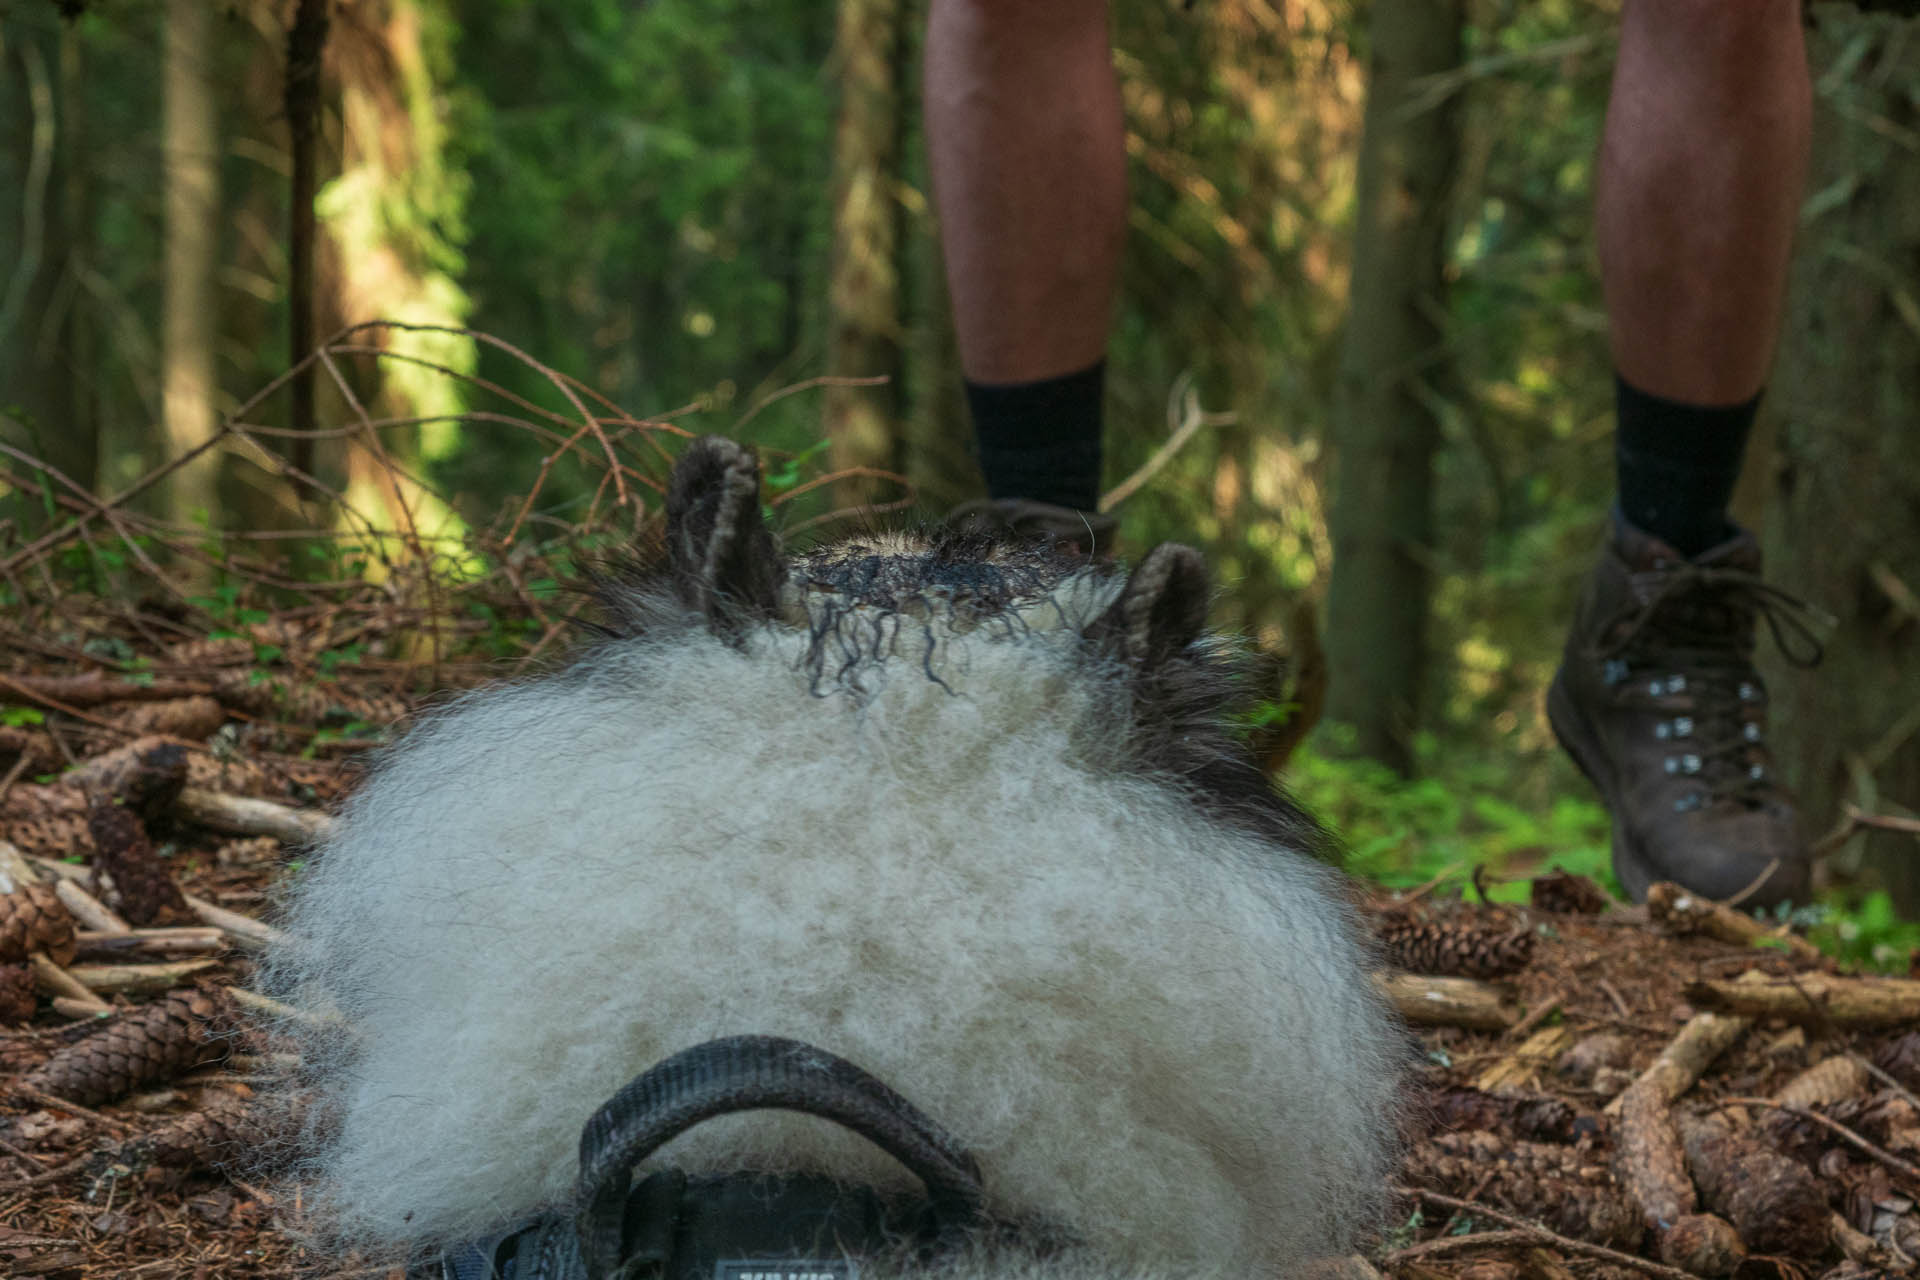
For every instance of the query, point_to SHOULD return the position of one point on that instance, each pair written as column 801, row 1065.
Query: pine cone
column 1901, row 1059
column 148, row 895
column 32, row 918
column 227, row 1122
column 17, row 996
column 1774, row 1202
column 332, row 702
column 47, row 835
column 1538, row 1117
column 180, row 1031
column 1564, row 893
column 145, row 775
column 193, row 717
column 1556, row 1186
column 41, row 755
column 1462, row 949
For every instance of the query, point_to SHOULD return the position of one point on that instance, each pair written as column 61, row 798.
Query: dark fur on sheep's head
column 718, row 563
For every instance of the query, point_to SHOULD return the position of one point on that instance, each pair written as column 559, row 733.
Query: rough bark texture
column 864, row 294
column 1393, row 358
column 1843, row 520
column 1648, row 1158
column 1814, row 999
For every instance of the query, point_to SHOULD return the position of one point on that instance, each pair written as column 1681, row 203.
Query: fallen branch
column 1814, row 998
column 137, row 979
column 1539, row 1232
column 95, row 687
column 245, row 931
column 1839, row 1130
column 63, row 986
column 87, row 909
column 1457, row 1244
column 1705, row 1037
column 1682, row 912
column 1448, row 1002
column 246, row 816
column 97, row 944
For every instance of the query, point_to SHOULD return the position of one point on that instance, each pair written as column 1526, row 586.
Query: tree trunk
column 1393, row 356
column 1843, row 516
column 864, row 293
column 305, row 44
column 46, row 353
column 192, row 153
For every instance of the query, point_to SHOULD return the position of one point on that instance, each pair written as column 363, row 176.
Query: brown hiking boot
column 1088, row 532
column 1658, row 703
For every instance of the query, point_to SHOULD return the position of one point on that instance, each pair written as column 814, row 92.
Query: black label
column 786, row 1269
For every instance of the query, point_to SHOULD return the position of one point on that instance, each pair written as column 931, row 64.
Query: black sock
column 1677, row 465
column 1041, row 440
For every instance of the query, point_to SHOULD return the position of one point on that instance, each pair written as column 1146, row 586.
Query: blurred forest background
column 690, row 206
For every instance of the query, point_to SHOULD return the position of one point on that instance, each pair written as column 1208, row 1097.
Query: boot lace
column 1687, row 643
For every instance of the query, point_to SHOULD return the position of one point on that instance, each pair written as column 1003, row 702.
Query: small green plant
column 1868, row 934
column 1401, row 832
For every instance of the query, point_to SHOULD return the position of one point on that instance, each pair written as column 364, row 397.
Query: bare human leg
column 1701, row 174
column 1657, row 698
column 1029, row 170
column 1028, row 151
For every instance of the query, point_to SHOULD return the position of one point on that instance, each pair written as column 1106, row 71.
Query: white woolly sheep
column 965, row 811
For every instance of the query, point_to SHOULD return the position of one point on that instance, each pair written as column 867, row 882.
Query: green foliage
column 664, row 226
column 1456, row 816
column 1866, row 934
column 21, row 717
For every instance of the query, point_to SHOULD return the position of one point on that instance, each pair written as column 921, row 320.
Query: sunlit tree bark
column 191, row 141
column 1393, row 361
column 864, row 294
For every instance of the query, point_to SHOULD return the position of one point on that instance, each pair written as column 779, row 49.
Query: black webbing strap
column 752, row 1073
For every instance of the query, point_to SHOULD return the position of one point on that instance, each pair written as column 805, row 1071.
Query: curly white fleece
column 1149, row 1027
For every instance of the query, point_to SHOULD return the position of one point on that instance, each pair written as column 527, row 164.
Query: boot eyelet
column 1758, row 772
column 1663, row 731
column 1672, row 765
column 1676, row 684
column 1690, row 764
column 1748, row 693
column 1682, row 726
column 1614, row 671
column 1655, row 687
column 1752, row 732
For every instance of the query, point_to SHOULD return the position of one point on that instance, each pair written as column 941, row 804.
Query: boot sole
column 1577, row 738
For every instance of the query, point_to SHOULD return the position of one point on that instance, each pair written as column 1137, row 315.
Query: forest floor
column 1590, row 1068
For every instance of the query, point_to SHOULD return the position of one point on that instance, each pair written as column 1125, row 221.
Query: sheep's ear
column 1161, row 610
column 725, row 563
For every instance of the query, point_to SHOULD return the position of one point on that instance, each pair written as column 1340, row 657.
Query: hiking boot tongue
column 1658, row 702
